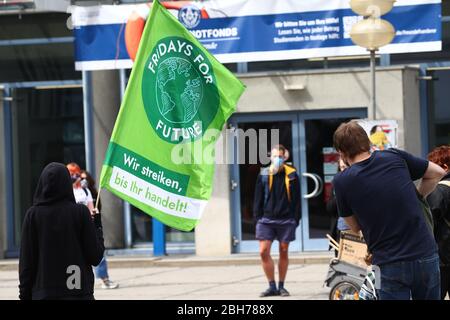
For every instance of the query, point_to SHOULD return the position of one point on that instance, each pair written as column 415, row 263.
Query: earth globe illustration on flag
column 180, row 90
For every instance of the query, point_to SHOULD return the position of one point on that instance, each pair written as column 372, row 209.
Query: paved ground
column 239, row 282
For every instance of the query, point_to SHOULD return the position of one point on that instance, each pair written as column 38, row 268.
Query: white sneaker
column 108, row 284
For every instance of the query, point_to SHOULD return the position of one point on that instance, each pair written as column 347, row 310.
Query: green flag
column 177, row 101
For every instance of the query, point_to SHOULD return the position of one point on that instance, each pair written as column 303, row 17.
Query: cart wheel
column 345, row 290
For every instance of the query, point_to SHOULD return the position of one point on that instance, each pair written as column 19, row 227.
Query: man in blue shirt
column 376, row 195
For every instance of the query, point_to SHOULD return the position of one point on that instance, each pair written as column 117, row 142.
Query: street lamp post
column 373, row 96
column 372, row 33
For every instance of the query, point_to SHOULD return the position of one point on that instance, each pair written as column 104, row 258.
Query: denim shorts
column 281, row 230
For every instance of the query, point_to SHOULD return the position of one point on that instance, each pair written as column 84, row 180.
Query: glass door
column 254, row 137
column 309, row 138
column 318, row 165
column 438, row 109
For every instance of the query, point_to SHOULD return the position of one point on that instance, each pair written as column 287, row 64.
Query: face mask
column 277, row 162
column 84, row 183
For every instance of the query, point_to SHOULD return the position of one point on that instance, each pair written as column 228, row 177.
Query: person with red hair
column 439, row 201
column 83, row 195
column 81, row 192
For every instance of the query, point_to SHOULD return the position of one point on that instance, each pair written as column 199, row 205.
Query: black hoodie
column 439, row 201
column 59, row 237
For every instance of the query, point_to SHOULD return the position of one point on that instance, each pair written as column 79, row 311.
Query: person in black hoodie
column 61, row 242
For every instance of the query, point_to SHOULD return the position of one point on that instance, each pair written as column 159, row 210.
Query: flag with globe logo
column 177, row 100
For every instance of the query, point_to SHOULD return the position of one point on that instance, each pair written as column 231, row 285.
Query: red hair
column 74, row 168
column 440, row 156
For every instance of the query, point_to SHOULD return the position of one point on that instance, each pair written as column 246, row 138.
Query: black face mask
column 74, row 178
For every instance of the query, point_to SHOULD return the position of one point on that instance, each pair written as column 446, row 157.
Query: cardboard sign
column 352, row 249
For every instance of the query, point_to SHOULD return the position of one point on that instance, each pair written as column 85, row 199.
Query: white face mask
column 277, row 162
column 84, row 183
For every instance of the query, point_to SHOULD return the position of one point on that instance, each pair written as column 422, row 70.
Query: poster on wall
column 107, row 36
column 330, row 169
column 383, row 134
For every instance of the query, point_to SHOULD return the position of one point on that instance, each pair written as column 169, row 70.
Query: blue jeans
column 403, row 280
column 101, row 271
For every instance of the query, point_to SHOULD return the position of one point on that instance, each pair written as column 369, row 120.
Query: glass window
column 285, row 65
column 174, row 235
column 142, row 230
column 309, row 64
column 34, row 25
column 446, row 8
column 38, row 63
column 141, row 226
column 47, row 126
column 439, row 111
column 231, row 66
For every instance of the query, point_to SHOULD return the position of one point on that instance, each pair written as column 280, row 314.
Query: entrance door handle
column 321, row 184
column 233, row 185
column 317, row 187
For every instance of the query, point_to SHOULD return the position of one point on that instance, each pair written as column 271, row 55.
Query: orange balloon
column 133, row 33
column 135, row 26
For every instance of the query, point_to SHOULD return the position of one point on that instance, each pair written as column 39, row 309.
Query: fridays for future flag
column 178, row 96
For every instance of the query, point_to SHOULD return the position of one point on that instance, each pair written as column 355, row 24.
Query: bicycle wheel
column 345, row 290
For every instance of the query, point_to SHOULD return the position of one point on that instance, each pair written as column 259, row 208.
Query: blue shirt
column 341, row 225
column 381, row 194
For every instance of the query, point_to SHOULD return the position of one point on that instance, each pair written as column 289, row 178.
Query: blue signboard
column 253, row 30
